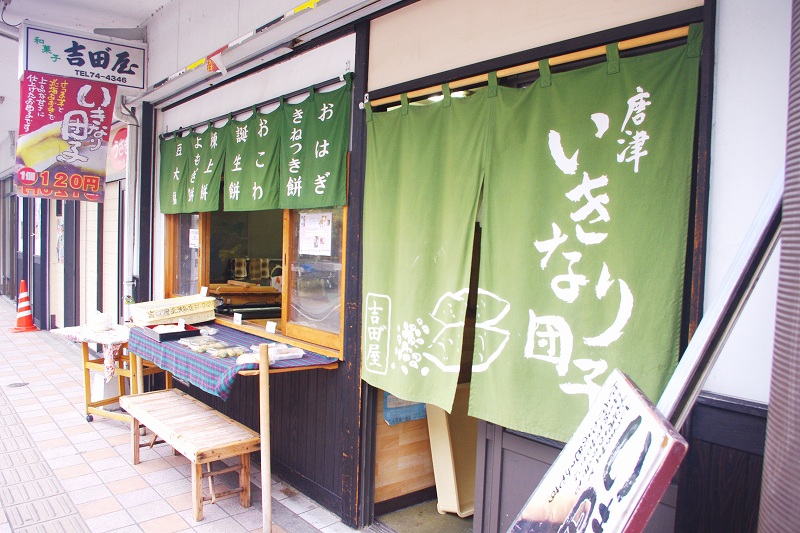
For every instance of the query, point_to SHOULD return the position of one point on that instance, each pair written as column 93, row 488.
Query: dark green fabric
column 421, row 195
column 585, row 220
column 175, row 156
column 315, row 139
column 205, row 169
column 252, row 162
column 308, row 142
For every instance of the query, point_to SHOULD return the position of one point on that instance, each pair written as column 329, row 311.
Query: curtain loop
column 492, row 84
column 447, row 100
column 544, row 73
column 368, row 109
column 612, row 58
column 404, row 104
column 311, row 92
column 694, row 40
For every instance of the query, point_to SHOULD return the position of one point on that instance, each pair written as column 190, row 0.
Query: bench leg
column 244, row 480
column 135, row 440
column 197, row 491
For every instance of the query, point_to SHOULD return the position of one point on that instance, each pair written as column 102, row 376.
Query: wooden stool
column 197, row 432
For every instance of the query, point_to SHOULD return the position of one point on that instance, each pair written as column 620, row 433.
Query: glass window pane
column 316, row 263
column 187, row 259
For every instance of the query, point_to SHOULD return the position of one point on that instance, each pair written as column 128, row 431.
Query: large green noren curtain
column 596, row 196
column 421, row 195
column 585, row 220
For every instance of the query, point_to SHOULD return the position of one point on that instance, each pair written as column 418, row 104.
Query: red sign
column 63, row 137
column 118, row 151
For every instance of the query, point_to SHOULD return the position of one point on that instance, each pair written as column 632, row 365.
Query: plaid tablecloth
column 215, row 376
column 112, row 340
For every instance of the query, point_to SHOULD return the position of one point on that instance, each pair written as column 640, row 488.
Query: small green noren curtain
column 584, row 234
column 315, row 139
column 205, row 169
column 175, row 155
column 292, row 158
column 251, row 163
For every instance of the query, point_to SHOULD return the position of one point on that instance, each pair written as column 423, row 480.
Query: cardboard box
column 169, row 310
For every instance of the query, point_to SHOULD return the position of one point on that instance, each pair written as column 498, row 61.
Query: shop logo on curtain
column 63, row 137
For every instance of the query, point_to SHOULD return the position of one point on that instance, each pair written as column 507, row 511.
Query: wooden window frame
column 323, row 342
column 315, row 336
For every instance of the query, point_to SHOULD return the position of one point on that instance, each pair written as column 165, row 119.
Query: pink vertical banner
column 63, row 137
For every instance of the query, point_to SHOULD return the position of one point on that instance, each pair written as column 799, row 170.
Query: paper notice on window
column 194, row 238
column 315, row 233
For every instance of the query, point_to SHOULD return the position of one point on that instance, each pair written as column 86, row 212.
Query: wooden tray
column 191, row 331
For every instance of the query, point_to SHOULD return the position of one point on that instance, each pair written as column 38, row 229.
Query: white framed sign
column 76, row 55
column 613, row 471
column 315, row 233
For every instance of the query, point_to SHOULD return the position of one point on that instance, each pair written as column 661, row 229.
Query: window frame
column 319, row 341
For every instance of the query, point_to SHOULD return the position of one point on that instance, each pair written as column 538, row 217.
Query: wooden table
column 179, row 359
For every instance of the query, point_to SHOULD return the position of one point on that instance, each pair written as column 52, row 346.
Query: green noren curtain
column 316, row 137
column 292, row 158
column 175, row 155
column 205, row 169
column 584, row 235
column 252, row 162
column 424, row 173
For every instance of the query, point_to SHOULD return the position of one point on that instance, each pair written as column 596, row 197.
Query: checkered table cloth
column 213, row 375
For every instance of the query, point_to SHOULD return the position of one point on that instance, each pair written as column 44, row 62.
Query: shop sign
column 613, row 471
column 70, row 54
column 63, row 137
column 117, row 161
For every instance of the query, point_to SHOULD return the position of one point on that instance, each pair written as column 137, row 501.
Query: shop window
column 183, row 253
column 281, row 266
column 313, row 282
column 245, row 246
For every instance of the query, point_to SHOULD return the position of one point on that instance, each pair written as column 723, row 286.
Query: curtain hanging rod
column 317, row 86
column 597, row 51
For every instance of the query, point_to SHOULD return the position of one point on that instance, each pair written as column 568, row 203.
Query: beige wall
column 87, row 293
column 433, row 36
column 111, row 256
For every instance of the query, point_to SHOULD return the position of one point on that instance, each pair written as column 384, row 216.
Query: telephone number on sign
column 98, row 76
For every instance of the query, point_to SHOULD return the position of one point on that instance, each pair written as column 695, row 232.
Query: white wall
column 184, row 31
column 748, row 147
column 433, row 36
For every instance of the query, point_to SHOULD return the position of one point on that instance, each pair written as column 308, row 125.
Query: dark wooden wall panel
column 720, row 478
column 305, row 417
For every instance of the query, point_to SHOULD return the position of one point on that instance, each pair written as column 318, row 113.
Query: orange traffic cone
column 24, row 313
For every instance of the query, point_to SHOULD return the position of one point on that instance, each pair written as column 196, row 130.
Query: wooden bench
column 197, row 432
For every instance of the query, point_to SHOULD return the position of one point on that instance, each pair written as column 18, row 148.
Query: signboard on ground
column 613, row 471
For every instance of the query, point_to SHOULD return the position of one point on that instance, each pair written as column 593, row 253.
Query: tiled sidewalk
column 61, row 473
